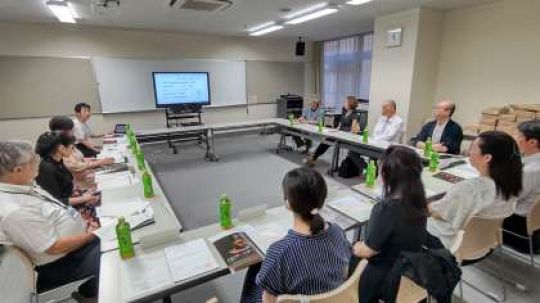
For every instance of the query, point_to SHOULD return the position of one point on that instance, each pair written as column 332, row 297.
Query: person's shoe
column 309, row 161
column 82, row 299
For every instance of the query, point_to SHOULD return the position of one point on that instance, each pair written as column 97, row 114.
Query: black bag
column 348, row 169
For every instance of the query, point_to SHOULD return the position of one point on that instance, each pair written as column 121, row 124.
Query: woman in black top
column 348, row 116
column 396, row 224
column 53, row 176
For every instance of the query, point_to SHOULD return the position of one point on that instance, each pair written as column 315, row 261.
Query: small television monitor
column 176, row 89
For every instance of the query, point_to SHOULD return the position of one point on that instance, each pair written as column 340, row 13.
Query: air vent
column 201, row 5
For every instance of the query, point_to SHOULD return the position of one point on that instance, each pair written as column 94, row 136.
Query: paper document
column 107, row 231
column 358, row 208
column 144, row 274
column 116, row 180
column 122, row 208
column 190, row 259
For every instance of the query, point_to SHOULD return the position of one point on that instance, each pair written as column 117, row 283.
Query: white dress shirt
column 81, row 131
column 33, row 220
column 531, row 184
column 388, row 129
column 437, row 132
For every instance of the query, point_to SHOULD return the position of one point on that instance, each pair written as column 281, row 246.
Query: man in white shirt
column 82, row 131
column 529, row 143
column 390, row 125
column 59, row 242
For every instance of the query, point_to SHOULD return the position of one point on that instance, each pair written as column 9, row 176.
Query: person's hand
column 301, row 120
column 420, row 145
column 107, row 161
column 90, row 199
column 357, row 248
column 440, row 148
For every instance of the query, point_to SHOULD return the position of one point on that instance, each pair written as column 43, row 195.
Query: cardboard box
column 488, row 117
column 520, row 119
column 525, row 114
column 488, row 122
column 507, row 124
column 507, row 117
column 493, row 111
column 485, row 128
column 526, row 107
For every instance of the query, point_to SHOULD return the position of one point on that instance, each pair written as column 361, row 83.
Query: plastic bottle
column 365, row 135
column 370, row 174
column 428, row 147
column 123, row 235
column 140, row 159
column 320, row 125
column 291, row 119
column 148, row 189
column 434, row 161
column 225, row 218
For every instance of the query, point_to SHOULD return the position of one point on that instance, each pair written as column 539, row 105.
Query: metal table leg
column 210, row 148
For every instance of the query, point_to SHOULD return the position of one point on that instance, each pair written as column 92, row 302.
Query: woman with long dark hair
column 396, row 224
column 496, row 157
column 313, row 257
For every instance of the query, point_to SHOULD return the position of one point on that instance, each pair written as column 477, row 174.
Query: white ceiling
column 157, row 15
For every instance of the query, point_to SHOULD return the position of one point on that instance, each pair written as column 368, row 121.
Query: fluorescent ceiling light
column 261, row 26
column 62, row 10
column 358, row 2
column 266, row 30
column 314, row 15
column 307, row 10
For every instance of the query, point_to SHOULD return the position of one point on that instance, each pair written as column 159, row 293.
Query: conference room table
column 146, row 277
column 164, row 218
column 331, row 136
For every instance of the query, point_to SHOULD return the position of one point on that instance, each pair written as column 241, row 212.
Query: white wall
column 392, row 68
column 59, row 40
column 490, row 57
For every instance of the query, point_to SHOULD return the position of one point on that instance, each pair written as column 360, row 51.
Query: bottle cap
column 121, row 219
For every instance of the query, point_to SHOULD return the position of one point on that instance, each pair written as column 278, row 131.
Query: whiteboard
column 125, row 85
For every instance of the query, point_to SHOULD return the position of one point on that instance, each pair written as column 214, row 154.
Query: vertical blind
column 347, row 69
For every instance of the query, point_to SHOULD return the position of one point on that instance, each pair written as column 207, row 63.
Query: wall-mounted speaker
column 300, row 47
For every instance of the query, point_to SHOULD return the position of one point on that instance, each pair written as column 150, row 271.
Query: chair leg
column 461, row 291
column 531, row 251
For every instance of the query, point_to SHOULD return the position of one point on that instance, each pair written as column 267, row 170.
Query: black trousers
column 87, row 152
column 518, row 224
column 77, row 265
column 301, row 142
column 321, row 149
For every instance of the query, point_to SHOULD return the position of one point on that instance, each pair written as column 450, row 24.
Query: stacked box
column 471, row 130
column 507, row 117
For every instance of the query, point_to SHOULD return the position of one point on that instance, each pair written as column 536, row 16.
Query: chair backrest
column 346, row 293
column 478, row 236
column 533, row 218
column 17, row 276
column 410, row 292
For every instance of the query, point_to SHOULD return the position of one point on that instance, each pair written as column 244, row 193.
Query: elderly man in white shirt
column 529, row 144
column 390, row 125
column 59, row 242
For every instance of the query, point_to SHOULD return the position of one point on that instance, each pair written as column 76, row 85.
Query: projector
column 105, row 7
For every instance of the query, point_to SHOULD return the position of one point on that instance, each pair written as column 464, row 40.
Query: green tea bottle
column 320, row 125
column 140, row 159
column 428, row 147
column 225, row 218
column 370, row 174
column 147, row 184
column 434, row 161
column 291, row 119
column 365, row 135
column 123, row 235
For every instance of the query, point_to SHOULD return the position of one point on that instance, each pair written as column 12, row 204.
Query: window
column 347, row 69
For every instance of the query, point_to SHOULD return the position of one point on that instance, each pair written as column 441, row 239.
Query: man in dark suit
column 446, row 135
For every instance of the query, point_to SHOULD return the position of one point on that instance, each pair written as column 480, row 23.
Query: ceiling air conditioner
column 201, row 5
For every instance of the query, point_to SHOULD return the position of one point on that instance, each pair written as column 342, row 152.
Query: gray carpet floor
column 251, row 173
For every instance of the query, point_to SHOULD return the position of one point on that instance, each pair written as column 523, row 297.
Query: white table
column 165, row 219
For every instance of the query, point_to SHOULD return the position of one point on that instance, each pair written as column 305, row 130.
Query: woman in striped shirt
column 313, row 258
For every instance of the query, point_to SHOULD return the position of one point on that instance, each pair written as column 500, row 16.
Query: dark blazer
column 56, row 179
column 451, row 137
column 347, row 120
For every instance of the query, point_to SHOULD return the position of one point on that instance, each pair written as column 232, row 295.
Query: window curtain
column 347, row 69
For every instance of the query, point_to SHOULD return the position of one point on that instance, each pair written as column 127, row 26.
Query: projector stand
column 183, row 116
